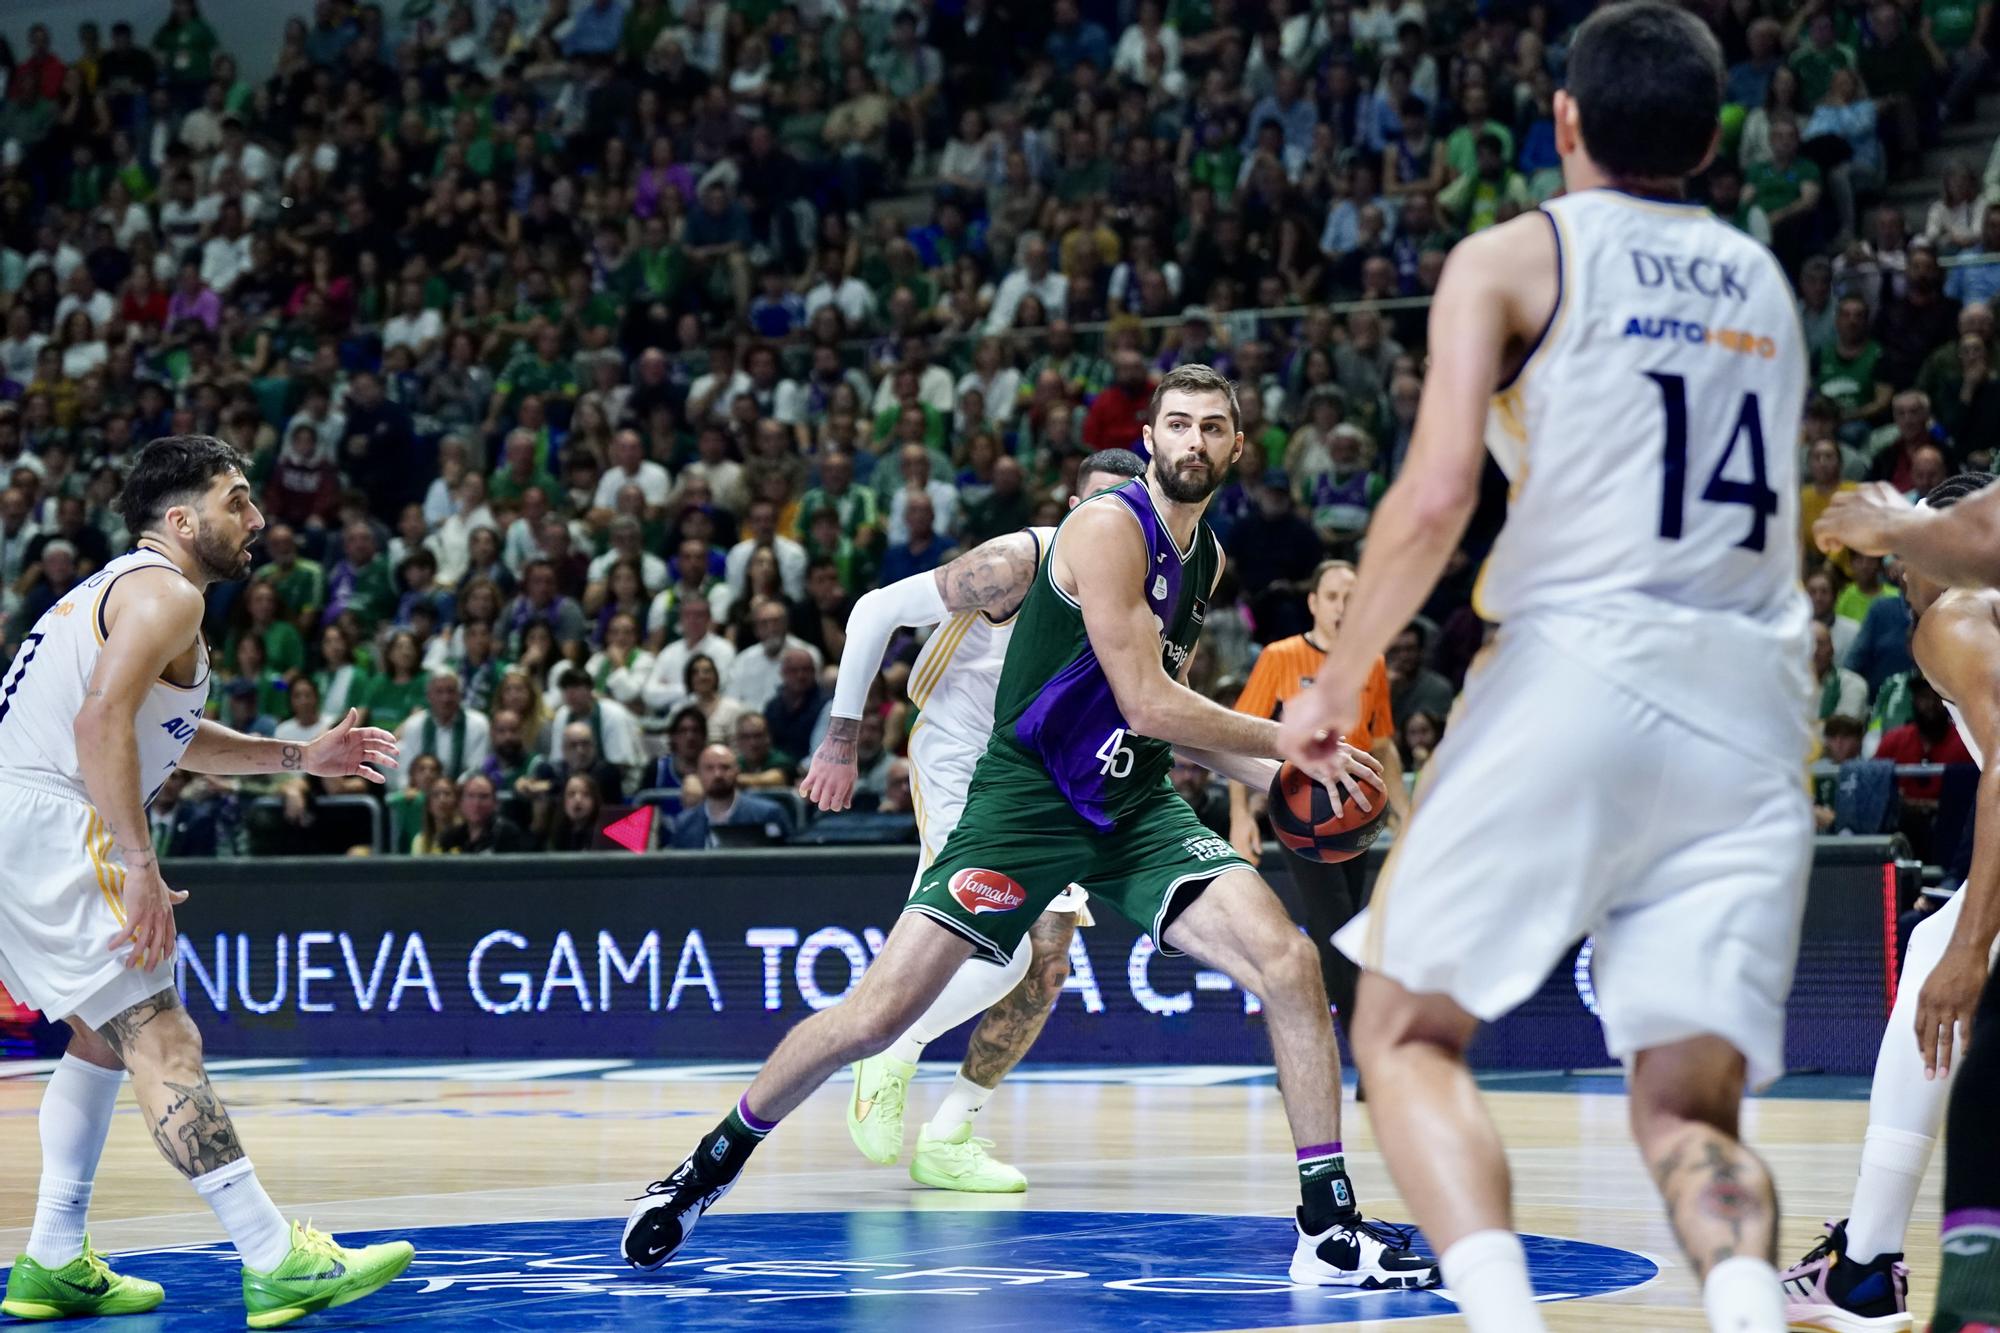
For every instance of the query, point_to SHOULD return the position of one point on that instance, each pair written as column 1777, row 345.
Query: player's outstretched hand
column 1868, row 519
column 1945, row 1005
column 351, row 750
column 829, row 782
column 149, row 917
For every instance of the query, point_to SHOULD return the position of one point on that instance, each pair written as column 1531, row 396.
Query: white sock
column 1905, row 1109
column 75, row 1117
column 959, row 1105
column 1743, row 1295
column 1487, row 1273
column 1892, row 1171
column 259, row 1231
column 973, row 989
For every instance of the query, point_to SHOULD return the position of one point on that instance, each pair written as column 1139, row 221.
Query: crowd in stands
column 592, row 356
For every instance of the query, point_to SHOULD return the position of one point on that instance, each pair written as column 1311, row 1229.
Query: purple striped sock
column 750, row 1119
column 1318, row 1150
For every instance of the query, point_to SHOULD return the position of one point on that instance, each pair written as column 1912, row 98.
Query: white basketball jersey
column 1651, row 443
column 43, row 692
column 1964, row 733
column 958, row 672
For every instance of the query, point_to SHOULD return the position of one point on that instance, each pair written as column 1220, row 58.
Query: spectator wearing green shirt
column 857, row 507
column 1957, row 30
column 1491, row 192
column 541, row 370
column 1866, row 589
column 262, row 615
column 1461, row 147
column 301, row 583
column 1849, row 373
column 399, row 690
column 1788, row 189
column 1819, row 56
column 187, row 47
column 519, row 472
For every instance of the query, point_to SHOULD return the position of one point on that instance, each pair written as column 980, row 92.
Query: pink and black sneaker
column 1827, row 1290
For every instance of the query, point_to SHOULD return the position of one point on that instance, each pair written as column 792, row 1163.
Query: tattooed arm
column 153, row 619
column 343, row 750
column 992, row 578
column 217, row 749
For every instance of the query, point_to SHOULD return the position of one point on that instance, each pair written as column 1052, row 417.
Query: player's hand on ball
column 1355, row 772
column 829, row 783
column 352, row 750
column 149, row 917
column 1868, row 519
column 1946, row 1004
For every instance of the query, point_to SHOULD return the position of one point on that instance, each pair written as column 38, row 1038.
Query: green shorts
column 1019, row 844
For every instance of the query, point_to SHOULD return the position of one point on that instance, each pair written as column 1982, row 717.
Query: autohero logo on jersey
column 980, row 891
column 1691, row 331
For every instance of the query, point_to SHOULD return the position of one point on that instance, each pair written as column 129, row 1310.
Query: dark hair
column 1841, row 724
column 1117, row 462
column 170, row 471
column 1953, row 489
column 1196, row 378
column 573, row 677
column 1647, row 79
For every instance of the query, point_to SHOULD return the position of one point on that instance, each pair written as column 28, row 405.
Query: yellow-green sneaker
column 875, row 1107
column 81, row 1288
column 957, row 1161
column 317, row 1275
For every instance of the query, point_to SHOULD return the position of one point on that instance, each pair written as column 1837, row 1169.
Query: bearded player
column 975, row 598
column 104, row 701
column 1073, row 789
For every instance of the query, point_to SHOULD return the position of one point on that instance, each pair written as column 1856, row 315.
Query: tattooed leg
column 1719, row 1196
column 1011, row 1026
column 158, row 1043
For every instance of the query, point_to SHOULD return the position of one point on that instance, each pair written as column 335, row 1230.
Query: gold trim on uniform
column 958, row 629
column 110, row 878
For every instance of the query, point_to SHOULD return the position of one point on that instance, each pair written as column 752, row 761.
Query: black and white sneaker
column 1374, row 1256
column 666, row 1214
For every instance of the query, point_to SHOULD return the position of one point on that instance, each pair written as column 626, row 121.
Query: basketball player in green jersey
column 1073, row 788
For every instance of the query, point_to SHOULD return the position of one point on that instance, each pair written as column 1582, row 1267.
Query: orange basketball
column 1303, row 817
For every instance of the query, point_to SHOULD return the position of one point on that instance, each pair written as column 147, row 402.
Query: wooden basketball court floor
column 512, row 1181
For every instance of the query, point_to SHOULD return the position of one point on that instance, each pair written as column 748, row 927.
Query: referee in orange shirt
column 1332, row 893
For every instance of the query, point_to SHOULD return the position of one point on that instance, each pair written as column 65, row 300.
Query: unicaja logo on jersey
column 980, row 891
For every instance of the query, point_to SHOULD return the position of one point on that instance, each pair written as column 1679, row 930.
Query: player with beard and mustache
column 102, row 703
column 1090, row 708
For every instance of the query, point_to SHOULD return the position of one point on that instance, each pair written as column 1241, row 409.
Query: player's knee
column 1289, row 970
column 169, row 1045
column 1046, row 975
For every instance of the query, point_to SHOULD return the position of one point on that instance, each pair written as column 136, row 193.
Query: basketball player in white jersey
column 102, row 702
column 1854, row 1281
column 1625, row 762
column 952, row 681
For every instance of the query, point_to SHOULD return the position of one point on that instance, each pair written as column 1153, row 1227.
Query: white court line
column 488, row 1071
column 31, row 1068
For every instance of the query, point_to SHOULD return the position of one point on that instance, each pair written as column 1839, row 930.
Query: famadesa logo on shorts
column 980, row 891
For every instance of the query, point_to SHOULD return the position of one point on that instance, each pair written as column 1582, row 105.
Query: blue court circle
column 962, row 1269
